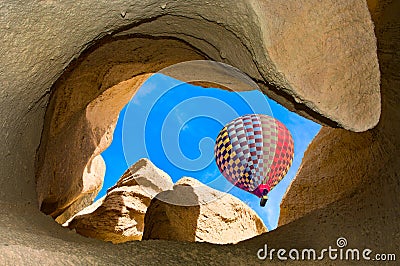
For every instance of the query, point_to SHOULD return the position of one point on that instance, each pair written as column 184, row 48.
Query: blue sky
column 175, row 125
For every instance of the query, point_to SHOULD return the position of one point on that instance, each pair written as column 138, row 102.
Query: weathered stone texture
column 41, row 38
column 119, row 216
column 195, row 212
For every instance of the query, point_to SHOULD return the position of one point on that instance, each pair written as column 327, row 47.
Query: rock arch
column 42, row 38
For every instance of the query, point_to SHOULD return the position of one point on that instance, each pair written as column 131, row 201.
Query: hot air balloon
column 254, row 152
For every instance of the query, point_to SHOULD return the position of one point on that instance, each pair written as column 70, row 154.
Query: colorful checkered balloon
column 254, row 152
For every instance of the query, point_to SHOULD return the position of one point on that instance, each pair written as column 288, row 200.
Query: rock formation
column 86, row 99
column 93, row 177
column 341, row 165
column 40, row 39
column 348, row 185
column 118, row 217
column 343, row 150
column 195, row 212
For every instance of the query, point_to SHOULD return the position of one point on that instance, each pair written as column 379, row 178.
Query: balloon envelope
column 254, row 152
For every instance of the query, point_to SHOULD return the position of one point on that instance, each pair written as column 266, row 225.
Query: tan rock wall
column 313, row 43
column 84, row 109
column 349, row 183
column 92, row 178
column 338, row 163
column 331, row 170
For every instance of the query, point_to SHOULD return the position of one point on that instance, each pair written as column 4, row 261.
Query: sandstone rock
column 40, row 38
column 319, row 180
column 294, row 41
column 350, row 178
column 299, row 49
column 82, row 120
column 262, row 38
column 93, row 178
column 195, row 212
column 118, row 217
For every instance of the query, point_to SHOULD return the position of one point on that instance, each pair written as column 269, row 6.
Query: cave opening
column 336, row 59
column 174, row 125
column 82, row 116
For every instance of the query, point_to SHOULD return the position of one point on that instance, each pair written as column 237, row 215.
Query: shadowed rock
column 195, row 212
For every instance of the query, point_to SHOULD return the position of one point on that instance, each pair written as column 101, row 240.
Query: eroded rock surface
column 319, row 181
column 281, row 45
column 313, row 43
column 84, row 109
column 195, row 212
column 349, row 182
column 40, row 38
column 93, row 177
column 118, row 217
column 317, row 57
